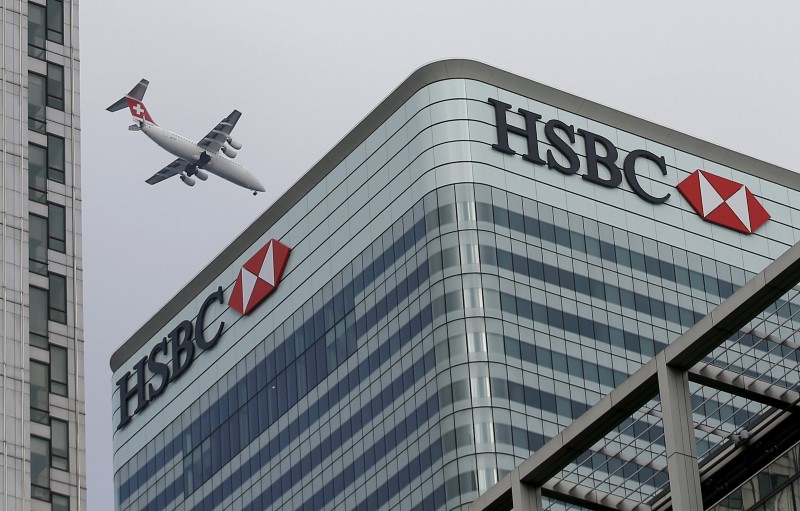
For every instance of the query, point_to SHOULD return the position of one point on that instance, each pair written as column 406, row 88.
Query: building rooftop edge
column 423, row 76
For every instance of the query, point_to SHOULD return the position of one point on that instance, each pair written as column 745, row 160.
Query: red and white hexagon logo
column 723, row 202
column 259, row 277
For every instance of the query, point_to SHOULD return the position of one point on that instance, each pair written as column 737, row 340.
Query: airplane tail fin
column 133, row 100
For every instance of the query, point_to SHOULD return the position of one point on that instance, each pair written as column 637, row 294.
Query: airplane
column 193, row 158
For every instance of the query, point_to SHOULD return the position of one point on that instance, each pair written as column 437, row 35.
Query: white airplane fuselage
column 217, row 164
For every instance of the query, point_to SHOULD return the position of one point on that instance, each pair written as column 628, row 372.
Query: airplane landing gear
column 255, row 193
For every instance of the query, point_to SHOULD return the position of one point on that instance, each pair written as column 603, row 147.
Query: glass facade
column 37, row 99
column 37, row 173
column 484, row 304
column 774, row 488
column 477, row 322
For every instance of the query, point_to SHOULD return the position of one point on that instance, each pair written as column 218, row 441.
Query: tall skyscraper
column 42, row 458
column 473, row 266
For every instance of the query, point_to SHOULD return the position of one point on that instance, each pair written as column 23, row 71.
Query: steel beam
column 745, row 386
column 525, row 497
column 682, row 464
column 590, row 498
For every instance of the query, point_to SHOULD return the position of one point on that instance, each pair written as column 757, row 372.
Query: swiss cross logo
column 138, row 110
column 723, row 202
column 259, row 277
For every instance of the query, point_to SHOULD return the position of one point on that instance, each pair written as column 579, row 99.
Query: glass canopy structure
column 712, row 409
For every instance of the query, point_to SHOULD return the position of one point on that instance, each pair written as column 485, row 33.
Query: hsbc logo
column 723, row 202
column 714, row 198
column 259, row 277
column 171, row 357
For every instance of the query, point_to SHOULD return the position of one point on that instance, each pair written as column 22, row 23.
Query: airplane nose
column 258, row 186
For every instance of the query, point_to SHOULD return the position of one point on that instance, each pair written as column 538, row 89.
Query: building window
column 58, row 298
column 59, row 444
column 60, row 502
column 55, row 86
column 37, row 99
column 55, row 21
column 55, row 158
column 57, row 227
column 58, row 370
column 37, row 172
column 36, row 30
column 40, row 392
column 40, row 468
column 37, row 244
column 39, row 330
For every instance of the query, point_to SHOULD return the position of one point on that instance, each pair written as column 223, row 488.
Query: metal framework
column 719, row 357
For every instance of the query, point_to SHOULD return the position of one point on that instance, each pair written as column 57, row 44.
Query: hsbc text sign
column 167, row 361
column 171, row 357
column 561, row 136
column 714, row 198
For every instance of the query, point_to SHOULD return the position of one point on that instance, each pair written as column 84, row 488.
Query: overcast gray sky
column 304, row 73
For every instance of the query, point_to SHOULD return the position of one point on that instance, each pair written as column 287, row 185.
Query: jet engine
column 201, row 174
column 229, row 152
column 188, row 181
column 235, row 144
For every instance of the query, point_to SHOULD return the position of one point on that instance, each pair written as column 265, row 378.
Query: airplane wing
column 216, row 138
column 174, row 168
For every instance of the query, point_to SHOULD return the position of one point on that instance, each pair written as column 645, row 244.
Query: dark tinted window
column 55, row 86
column 36, row 30
column 58, row 370
column 38, row 317
column 37, row 172
column 55, row 21
column 59, row 444
column 40, row 399
column 58, row 298
column 60, row 502
column 37, row 99
column 55, row 158
column 40, row 468
column 57, row 227
column 37, row 244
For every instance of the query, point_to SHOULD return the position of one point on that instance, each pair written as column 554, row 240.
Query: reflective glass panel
column 55, row 21
column 40, row 468
column 37, row 172
column 58, row 298
column 55, row 86
column 55, row 158
column 37, row 244
column 57, row 227
column 40, row 400
column 58, row 370
column 38, row 317
column 59, row 444
column 36, row 30
column 60, row 502
column 37, row 99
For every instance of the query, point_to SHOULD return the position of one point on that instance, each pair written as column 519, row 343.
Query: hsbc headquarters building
column 452, row 293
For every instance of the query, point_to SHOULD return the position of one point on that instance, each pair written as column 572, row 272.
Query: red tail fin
column 133, row 100
column 138, row 110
